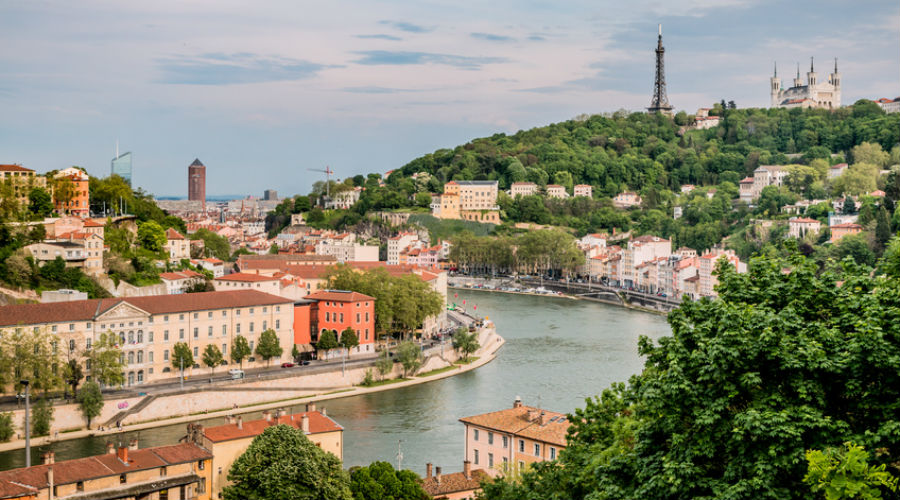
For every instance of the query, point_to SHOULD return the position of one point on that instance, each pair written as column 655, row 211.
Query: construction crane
column 327, row 173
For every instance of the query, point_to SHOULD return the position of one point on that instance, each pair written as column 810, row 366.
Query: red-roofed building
column 74, row 201
column 455, row 486
column 340, row 309
column 177, row 246
column 22, row 181
column 838, row 231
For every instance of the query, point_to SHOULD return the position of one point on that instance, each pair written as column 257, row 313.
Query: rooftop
column 14, row 168
column 454, row 483
column 339, row 296
column 246, row 277
column 197, row 163
column 516, row 421
column 318, row 424
column 172, row 234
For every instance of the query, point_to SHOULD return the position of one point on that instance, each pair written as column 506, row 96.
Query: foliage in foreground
column 845, row 473
column 729, row 404
column 379, row 481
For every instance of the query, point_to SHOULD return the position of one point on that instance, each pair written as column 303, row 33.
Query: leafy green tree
column 151, row 236
column 379, row 481
column 268, row 346
column 867, row 152
column 283, row 463
column 240, row 350
column 295, row 353
column 213, row 244
column 90, row 401
column 859, row 179
column 384, row 364
column 40, row 202
column 212, row 357
column 327, row 341
column 104, row 361
column 182, row 357
column 845, row 474
column 466, row 343
column 73, row 374
column 409, row 355
column 855, row 246
column 7, row 431
column 42, row 416
column 423, row 200
column 849, row 206
column 882, row 228
column 349, row 339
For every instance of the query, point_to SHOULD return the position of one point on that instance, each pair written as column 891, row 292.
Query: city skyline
column 365, row 88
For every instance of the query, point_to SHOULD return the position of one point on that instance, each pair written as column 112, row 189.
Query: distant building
column 838, row 231
column 626, row 199
column 76, row 202
column 62, row 295
column 270, row 195
column 707, row 276
column 455, row 486
column 837, row 170
column 180, row 281
column 22, row 181
column 197, row 181
column 801, row 226
column 814, row 94
column 557, row 191
column 398, row 243
column 888, row 105
column 339, row 310
column 766, row 175
column 583, row 190
column 177, row 246
column 468, row 200
column 121, row 166
column 522, row 189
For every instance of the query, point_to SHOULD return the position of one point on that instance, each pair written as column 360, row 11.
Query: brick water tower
column 197, row 181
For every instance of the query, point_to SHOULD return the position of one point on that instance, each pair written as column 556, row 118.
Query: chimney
column 428, row 470
column 323, row 412
column 240, row 422
column 467, row 469
column 133, row 444
column 230, row 419
column 49, row 458
column 518, row 402
column 533, row 414
column 437, row 475
column 545, row 418
column 110, row 448
column 122, row 454
column 50, row 482
column 267, row 415
column 304, row 423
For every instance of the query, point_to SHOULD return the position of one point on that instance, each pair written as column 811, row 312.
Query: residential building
column 71, row 252
column 341, row 309
column 456, row 486
column 282, row 261
column 175, row 472
column 889, row 105
column 344, row 248
column 513, row 438
column 177, row 246
column 799, row 227
column 745, row 190
column 640, row 250
column 583, row 190
column 180, row 281
column 814, row 94
column 197, row 181
column 149, row 327
column 522, row 189
column 74, row 201
column 557, row 191
column 398, row 243
column 229, row 441
column 91, row 242
column 837, row 170
column 706, row 272
column 62, row 295
column 687, row 188
column 626, row 199
column 767, row 175
column 22, row 181
column 280, row 284
column 215, row 266
column 121, row 166
column 838, row 231
column 344, row 199
column 468, row 200
column 705, row 122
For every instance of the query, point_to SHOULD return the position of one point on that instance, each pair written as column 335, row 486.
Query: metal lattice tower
column 660, row 102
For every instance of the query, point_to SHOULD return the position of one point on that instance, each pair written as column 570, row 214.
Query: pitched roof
column 172, row 234
column 318, row 424
column 87, row 310
column 475, row 183
column 180, row 275
column 454, row 483
column 92, row 223
column 804, row 220
column 246, row 277
column 339, row 296
column 14, row 168
column 197, row 163
column 846, row 225
column 515, row 421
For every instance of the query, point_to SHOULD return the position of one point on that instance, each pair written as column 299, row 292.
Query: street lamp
column 25, row 384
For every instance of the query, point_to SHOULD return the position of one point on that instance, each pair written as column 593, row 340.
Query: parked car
column 287, row 365
column 236, row 373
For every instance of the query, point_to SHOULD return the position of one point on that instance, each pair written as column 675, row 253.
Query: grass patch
column 389, row 381
column 469, row 361
column 439, row 370
column 71, row 429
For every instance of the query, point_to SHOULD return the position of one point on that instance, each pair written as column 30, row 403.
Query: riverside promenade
column 250, row 395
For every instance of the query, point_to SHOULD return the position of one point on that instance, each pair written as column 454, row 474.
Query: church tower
column 811, row 78
column 775, row 87
column 797, row 81
column 836, row 82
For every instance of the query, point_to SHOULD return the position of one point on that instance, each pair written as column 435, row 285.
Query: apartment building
column 229, row 441
column 707, row 267
column 468, row 200
column 344, row 248
column 180, row 281
column 640, row 250
column 22, row 181
column 177, row 246
column 510, row 439
column 799, row 227
column 341, row 309
column 398, row 243
column 557, row 191
column 147, row 328
column 767, row 175
column 626, row 199
column 522, row 189
column 838, row 231
column 583, row 190
column 75, row 201
column 246, row 262
column 176, row 472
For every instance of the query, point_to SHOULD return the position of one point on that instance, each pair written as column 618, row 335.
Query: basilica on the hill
column 814, row 94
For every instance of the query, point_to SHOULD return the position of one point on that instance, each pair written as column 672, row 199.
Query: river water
column 558, row 352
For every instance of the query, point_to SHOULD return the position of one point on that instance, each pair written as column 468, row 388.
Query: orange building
column 838, row 231
column 336, row 310
column 79, row 203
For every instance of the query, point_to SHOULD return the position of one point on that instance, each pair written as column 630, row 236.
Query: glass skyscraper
column 121, row 166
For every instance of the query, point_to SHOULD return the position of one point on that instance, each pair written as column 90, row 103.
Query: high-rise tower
column 197, row 181
column 121, row 165
column 660, row 102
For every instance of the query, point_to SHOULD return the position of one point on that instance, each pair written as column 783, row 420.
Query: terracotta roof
column 87, row 310
column 214, row 261
column 454, row 483
column 804, row 220
column 14, row 168
column 246, row 277
column 747, row 180
column 515, row 421
column 82, row 469
column 693, row 278
column 338, row 296
column 318, row 424
column 839, row 165
column 846, row 225
column 523, row 184
column 647, row 238
column 180, row 275
column 172, row 234
column 92, row 223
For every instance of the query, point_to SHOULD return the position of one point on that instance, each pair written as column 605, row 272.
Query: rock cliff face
column 9, row 297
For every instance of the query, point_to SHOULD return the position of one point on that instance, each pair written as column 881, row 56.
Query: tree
column 73, row 374
column 213, row 244
column 212, row 357
column 151, row 236
column 90, row 401
column 379, row 480
column 849, row 206
column 423, row 200
column 890, row 260
column 240, row 350
column 63, row 191
column 283, row 463
column 268, row 346
column 6, row 427
column 40, row 202
column 42, row 416
column 384, row 364
column 349, row 339
column 104, row 360
column 327, row 341
column 182, row 357
column 410, row 357
column 882, row 228
column 871, row 153
column 295, row 353
column 33, row 355
column 465, row 342
column 845, row 474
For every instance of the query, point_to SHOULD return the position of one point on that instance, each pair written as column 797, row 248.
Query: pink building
column 626, row 199
column 840, row 230
column 583, row 190
column 708, row 279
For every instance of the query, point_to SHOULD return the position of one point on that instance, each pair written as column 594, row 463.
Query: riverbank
column 219, row 402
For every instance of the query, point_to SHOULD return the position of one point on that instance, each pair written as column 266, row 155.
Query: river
column 558, row 352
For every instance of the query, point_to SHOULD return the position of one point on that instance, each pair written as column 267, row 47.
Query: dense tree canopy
column 380, row 481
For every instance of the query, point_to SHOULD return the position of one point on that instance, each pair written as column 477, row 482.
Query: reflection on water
column 558, row 352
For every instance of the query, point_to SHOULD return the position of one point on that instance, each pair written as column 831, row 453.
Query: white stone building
column 814, row 94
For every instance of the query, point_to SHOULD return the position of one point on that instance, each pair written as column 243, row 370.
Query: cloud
column 381, row 36
column 536, row 38
column 375, row 90
column 492, row 37
column 407, row 27
column 232, row 69
column 398, row 58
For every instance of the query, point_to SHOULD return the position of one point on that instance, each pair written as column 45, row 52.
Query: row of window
column 103, row 326
column 490, row 441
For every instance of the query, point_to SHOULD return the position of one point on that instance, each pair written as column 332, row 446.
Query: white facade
column 814, row 94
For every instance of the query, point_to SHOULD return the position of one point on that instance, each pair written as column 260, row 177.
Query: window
column 357, row 317
column 237, row 312
column 166, row 318
column 251, row 327
column 71, row 327
column 476, row 457
column 521, row 446
column 196, row 332
column 87, row 363
column 505, row 441
column 278, row 309
column 224, row 314
column 181, row 333
column 166, row 335
column 251, row 310
column 265, row 309
column 327, row 316
column 150, row 357
column 140, row 337
column 367, row 317
column 87, row 344
column 490, row 460
column 150, row 337
column 166, row 355
column 277, row 324
column 537, row 450
column 224, row 349
column 162, row 471
column 342, row 317
column 71, row 345
column 196, row 315
column 251, row 346
column 505, row 463
column 521, row 465
column 196, row 353
column 53, row 328
column 475, row 434
column 490, row 438
column 140, row 356
column 181, row 317
column 209, row 315
column 209, row 333
column 237, row 328
column 122, row 478
column 265, row 325
column 131, row 357
column 552, row 453
column 224, row 330
column 201, row 465
column 140, row 376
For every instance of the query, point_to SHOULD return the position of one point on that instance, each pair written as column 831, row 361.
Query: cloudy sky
column 263, row 91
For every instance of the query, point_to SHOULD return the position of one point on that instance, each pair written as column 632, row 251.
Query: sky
column 262, row 92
